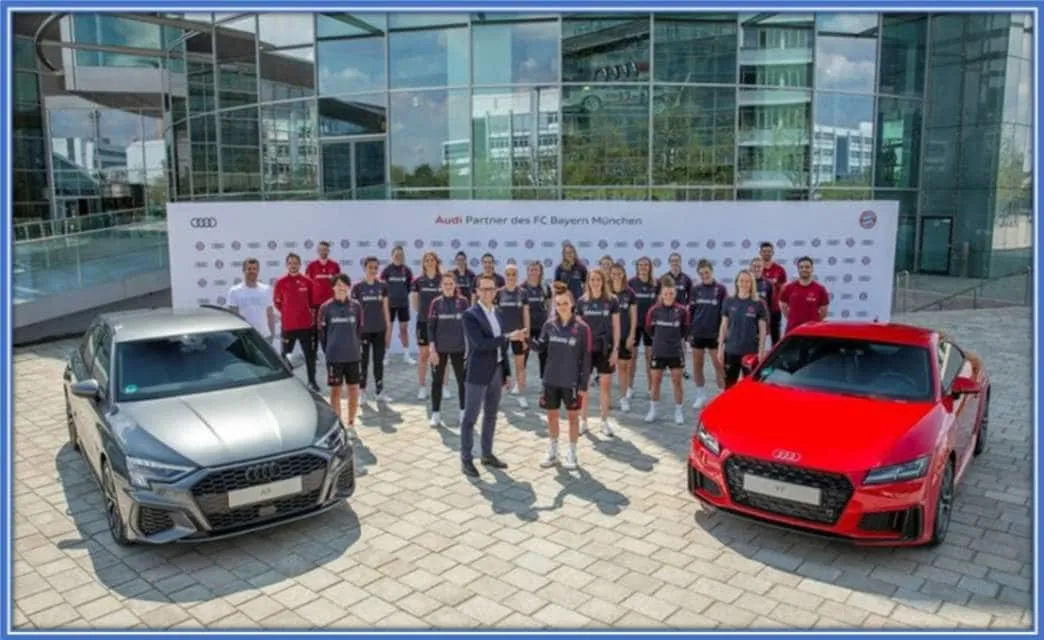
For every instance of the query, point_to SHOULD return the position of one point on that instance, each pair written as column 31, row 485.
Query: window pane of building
column 525, row 53
column 290, row 147
column 605, row 49
column 605, row 135
column 694, row 135
column 430, row 140
column 899, row 143
column 842, row 143
column 516, row 139
column 904, row 43
column 351, row 65
column 846, row 51
column 695, row 48
column 776, row 49
column 425, row 59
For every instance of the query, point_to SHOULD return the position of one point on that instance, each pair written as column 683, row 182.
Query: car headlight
column 898, row 472
column 706, row 439
column 334, row 439
column 142, row 473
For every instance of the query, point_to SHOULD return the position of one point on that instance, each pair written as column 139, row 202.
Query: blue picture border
column 7, row 398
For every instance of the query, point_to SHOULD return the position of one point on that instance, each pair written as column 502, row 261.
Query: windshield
column 194, row 363
column 850, row 367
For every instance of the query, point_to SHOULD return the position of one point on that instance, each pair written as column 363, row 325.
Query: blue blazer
column 483, row 347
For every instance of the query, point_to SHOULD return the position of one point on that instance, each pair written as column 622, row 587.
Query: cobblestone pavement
column 618, row 543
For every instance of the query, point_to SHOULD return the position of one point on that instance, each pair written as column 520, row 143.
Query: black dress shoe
column 469, row 469
column 494, row 462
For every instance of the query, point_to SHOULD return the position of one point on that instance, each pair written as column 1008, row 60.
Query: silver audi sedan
column 196, row 428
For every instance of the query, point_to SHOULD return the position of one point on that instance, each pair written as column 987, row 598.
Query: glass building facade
column 933, row 111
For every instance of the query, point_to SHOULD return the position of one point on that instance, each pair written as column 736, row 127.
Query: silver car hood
column 233, row 425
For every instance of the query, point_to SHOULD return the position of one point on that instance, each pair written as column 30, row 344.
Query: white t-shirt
column 253, row 303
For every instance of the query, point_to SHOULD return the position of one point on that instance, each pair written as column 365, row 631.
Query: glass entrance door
column 353, row 169
column 936, row 236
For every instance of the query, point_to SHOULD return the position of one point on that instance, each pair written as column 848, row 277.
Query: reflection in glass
column 691, row 195
column 428, row 58
column 369, row 166
column 343, row 25
column 354, row 168
column 351, row 65
column 695, row 48
column 776, row 49
column 114, row 31
column 516, row 137
column 903, row 54
column 525, row 53
column 846, row 51
column 693, row 135
column 899, row 143
column 289, row 146
column 337, row 170
column 605, row 193
column 287, row 73
column 352, row 115
column 200, row 81
column 771, row 194
column 24, row 54
column 281, row 30
column 842, row 143
column 203, row 134
column 147, row 160
column 240, row 151
column 606, row 135
column 236, row 56
column 516, row 194
column 605, row 49
column 430, row 140
column 406, row 20
column 774, row 128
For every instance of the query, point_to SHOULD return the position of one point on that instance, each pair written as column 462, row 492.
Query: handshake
column 518, row 335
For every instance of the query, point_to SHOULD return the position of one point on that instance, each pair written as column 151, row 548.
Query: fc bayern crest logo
column 728, row 262
column 638, row 244
column 832, row 260
column 455, row 244
column 237, row 281
column 781, row 243
column 868, row 219
column 657, row 262
column 746, row 244
column 815, row 242
column 847, row 278
column 221, row 300
column 235, row 245
column 382, row 243
column 202, row 283
column 272, row 245
column 845, row 313
column 200, row 246
column 711, row 244
column 693, row 262
column 602, row 244
column 219, row 264
column 418, row 244
column 863, row 296
column 492, row 244
column 850, row 242
column 474, row 262
column 547, row 262
column 346, row 244
column 675, row 244
column 362, row 262
column 866, row 260
column 308, row 244
column 511, row 261
column 530, row 244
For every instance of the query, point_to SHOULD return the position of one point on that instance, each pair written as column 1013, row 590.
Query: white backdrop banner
column 851, row 242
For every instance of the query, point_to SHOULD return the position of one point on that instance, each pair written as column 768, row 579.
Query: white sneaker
column 625, row 404
column 422, row 393
column 629, row 394
column 522, row 402
column 607, row 429
column 447, row 394
column 651, row 416
column 679, row 415
column 363, row 397
column 514, row 389
column 436, row 420
column 700, row 401
column 383, row 399
column 583, row 426
column 570, row 461
column 551, row 459
column 387, row 360
column 408, row 359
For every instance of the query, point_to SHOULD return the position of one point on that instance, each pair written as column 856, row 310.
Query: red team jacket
column 321, row 276
column 292, row 298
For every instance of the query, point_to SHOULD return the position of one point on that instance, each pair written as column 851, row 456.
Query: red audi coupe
column 853, row 431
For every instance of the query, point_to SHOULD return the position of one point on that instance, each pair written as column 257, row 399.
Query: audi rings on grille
column 262, row 472
column 203, row 223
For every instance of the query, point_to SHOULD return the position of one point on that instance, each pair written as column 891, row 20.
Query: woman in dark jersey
column 606, row 264
column 627, row 304
column 644, row 286
column 668, row 323
column 446, row 333
column 372, row 294
column 766, row 288
column 744, row 324
column 705, row 303
column 399, row 279
column 599, row 311
column 423, row 290
column 571, row 271
column 463, row 276
column 515, row 312
column 538, row 296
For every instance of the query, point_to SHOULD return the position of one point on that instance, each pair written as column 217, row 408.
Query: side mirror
column 964, row 386
column 86, row 389
column 749, row 363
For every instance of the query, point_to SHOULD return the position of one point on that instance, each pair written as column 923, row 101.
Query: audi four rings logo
column 786, row 456
column 262, row 472
column 203, row 223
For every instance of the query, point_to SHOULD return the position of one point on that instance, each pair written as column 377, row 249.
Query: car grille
column 152, row 521
column 345, row 481
column 211, row 492
column 836, row 489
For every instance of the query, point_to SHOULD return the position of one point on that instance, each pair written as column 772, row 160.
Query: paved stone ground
column 619, row 543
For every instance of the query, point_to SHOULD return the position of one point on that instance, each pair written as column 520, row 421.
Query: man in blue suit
column 487, row 372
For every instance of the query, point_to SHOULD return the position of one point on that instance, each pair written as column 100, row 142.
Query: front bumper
column 196, row 508
column 883, row 515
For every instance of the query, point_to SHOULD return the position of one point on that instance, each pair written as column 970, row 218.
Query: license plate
column 784, row 490
column 261, row 493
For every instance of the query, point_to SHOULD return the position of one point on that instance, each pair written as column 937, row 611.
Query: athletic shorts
column 518, row 348
column 642, row 337
column 338, row 373
column 399, row 314
column 659, row 364
column 600, row 363
column 422, row 334
column 553, row 398
column 703, row 343
column 622, row 352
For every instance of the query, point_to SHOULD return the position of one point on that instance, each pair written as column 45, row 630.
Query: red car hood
column 829, row 432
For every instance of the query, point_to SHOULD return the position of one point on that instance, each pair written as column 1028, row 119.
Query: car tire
column 984, row 423
column 943, row 506
column 74, row 440
column 113, row 517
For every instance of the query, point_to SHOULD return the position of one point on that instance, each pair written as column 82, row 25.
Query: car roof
column 145, row 324
column 890, row 332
